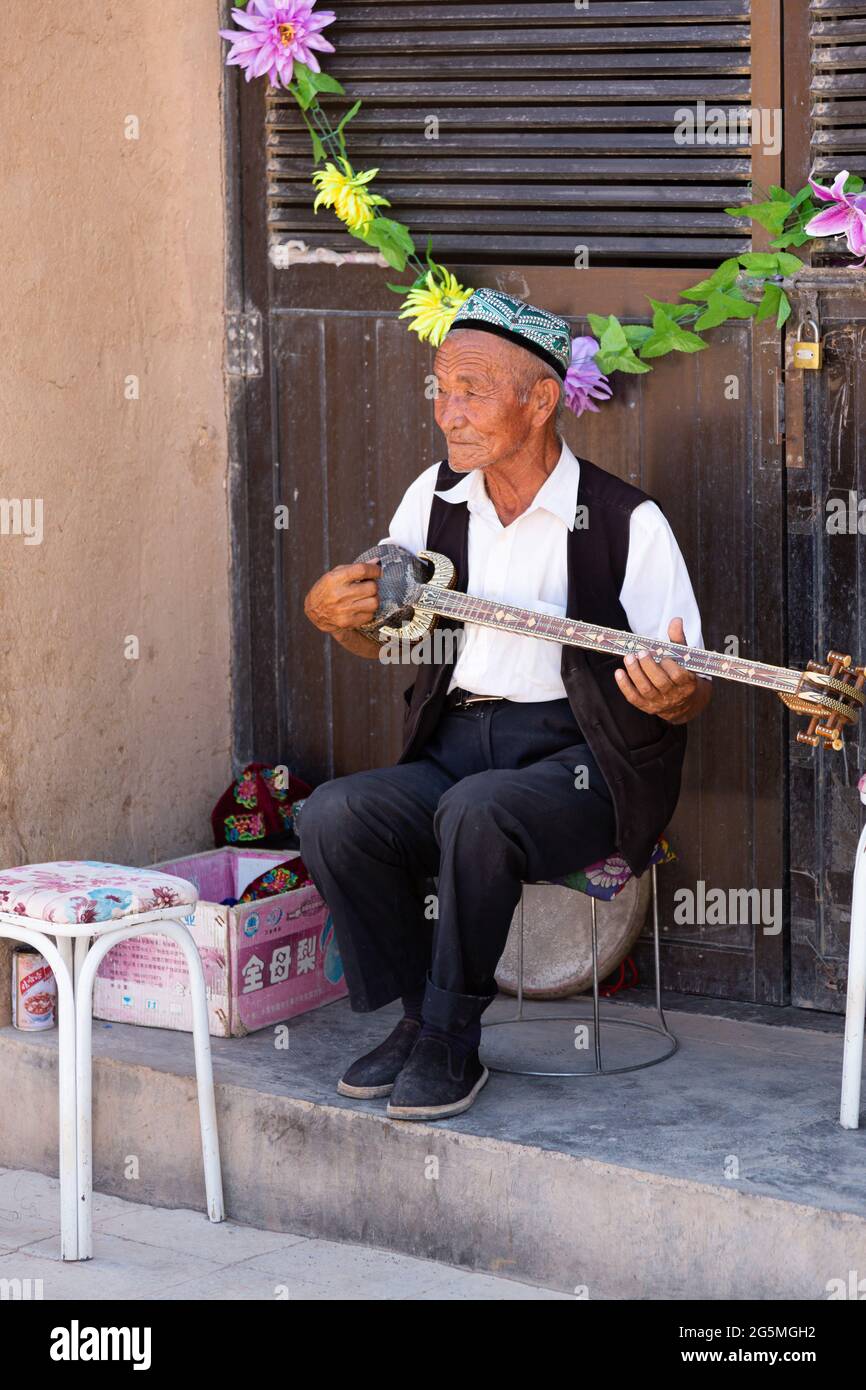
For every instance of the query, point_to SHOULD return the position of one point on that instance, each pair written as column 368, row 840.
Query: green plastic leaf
column 636, row 333
column 673, row 311
column 726, row 274
column 700, row 292
column 392, row 238
column 598, row 324
column 613, row 338
column 784, row 309
column 349, row 115
column 759, row 262
column 794, row 238
column 302, row 88
column 323, row 83
column 789, row 265
column 624, row 361
column 667, row 336
column 771, row 215
column 769, row 305
column 721, row 307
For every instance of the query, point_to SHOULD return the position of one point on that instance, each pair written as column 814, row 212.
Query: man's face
column 477, row 406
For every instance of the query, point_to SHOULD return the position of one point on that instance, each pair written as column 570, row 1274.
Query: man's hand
column 663, row 687
column 342, row 600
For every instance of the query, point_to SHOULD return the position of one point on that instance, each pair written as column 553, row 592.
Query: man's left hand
column 663, row 687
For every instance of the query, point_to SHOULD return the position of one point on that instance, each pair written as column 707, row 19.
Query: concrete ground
column 151, row 1253
column 720, row 1174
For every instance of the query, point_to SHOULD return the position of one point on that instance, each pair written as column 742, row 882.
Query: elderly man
column 523, row 760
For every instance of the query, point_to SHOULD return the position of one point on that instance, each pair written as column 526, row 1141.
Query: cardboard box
column 264, row 962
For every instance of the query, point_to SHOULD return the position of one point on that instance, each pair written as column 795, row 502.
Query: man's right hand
column 344, row 598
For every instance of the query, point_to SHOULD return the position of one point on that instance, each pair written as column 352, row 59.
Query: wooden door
column 825, row 115
column 555, row 133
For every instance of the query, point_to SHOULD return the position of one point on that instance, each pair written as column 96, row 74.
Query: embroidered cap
column 546, row 335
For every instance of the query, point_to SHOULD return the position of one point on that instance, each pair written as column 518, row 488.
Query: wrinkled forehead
column 468, row 352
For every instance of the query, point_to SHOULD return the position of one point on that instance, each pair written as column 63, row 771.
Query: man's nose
column 450, row 413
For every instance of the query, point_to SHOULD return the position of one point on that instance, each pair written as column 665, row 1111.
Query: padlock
column 807, row 355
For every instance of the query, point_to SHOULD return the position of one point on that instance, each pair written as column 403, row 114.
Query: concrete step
column 720, row 1174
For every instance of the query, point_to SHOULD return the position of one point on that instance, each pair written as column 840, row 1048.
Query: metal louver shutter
column 838, row 43
column 556, row 129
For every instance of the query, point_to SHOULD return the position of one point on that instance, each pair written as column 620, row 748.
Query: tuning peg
column 831, row 736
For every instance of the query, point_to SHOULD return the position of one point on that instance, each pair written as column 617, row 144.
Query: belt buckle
column 481, row 699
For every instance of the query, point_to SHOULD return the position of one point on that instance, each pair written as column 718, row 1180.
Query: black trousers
column 505, row 793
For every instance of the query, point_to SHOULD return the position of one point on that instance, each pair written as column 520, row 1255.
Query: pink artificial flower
column 279, row 34
column 847, row 216
column 583, row 379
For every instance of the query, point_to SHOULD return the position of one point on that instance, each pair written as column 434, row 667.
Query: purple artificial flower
column 584, row 379
column 846, row 217
column 278, row 35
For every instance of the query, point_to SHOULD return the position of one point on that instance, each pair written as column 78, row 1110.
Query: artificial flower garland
column 279, row 39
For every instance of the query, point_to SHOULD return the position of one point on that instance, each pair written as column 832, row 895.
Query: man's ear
column 546, row 398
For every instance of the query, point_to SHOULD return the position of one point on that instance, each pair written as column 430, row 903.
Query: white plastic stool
column 58, row 909
column 855, row 1005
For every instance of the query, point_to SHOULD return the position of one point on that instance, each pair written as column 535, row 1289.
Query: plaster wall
column 114, row 627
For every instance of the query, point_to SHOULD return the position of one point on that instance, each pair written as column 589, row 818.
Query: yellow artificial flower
column 346, row 192
column 433, row 303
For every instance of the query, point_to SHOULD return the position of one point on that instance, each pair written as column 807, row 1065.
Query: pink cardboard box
column 263, row 962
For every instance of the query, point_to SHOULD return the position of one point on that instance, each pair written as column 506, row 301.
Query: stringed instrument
column 416, row 590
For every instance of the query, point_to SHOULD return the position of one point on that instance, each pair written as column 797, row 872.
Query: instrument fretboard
column 572, row 632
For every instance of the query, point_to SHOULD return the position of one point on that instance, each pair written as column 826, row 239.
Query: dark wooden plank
column 768, row 789
column 798, row 121
column 838, row 30
column 437, row 38
column 839, row 138
column 720, row 168
column 450, row 245
column 563, row 12
column 520, row 117
column 825, row 8
column 824, row 166
column 832, row 113
column 296, row 144
column 839, row 56
column 839, row 84
column 655, row 65
column 568, row 219
column 552, row 196
column 533, row 90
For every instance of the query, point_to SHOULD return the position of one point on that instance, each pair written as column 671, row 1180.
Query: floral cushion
column 85, row 890
column 608, row 877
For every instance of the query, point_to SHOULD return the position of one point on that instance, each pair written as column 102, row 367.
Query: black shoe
column 436, row 1082
column 374, row 1074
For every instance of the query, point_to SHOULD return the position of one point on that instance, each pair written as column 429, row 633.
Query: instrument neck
column 574, row 632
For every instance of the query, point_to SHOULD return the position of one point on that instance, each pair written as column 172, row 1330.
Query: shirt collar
column 557, row 494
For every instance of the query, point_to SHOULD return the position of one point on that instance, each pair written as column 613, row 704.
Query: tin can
column 34, row 991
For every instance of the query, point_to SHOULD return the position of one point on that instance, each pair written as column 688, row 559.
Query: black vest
column 640, row 755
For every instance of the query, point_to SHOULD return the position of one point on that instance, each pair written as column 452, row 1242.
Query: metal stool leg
column 660, row 1028
column 855, row 1005
column 519, row 1013
column 203, row 1067
column 58, row 958
column 596, row 1012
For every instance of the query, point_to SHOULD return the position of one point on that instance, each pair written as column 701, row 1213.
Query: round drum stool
column 602, row 881
column 59, row 909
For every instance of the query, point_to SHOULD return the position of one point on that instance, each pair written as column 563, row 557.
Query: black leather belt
column 460, row 699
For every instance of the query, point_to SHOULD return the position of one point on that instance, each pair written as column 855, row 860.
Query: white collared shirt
column 525, row 563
